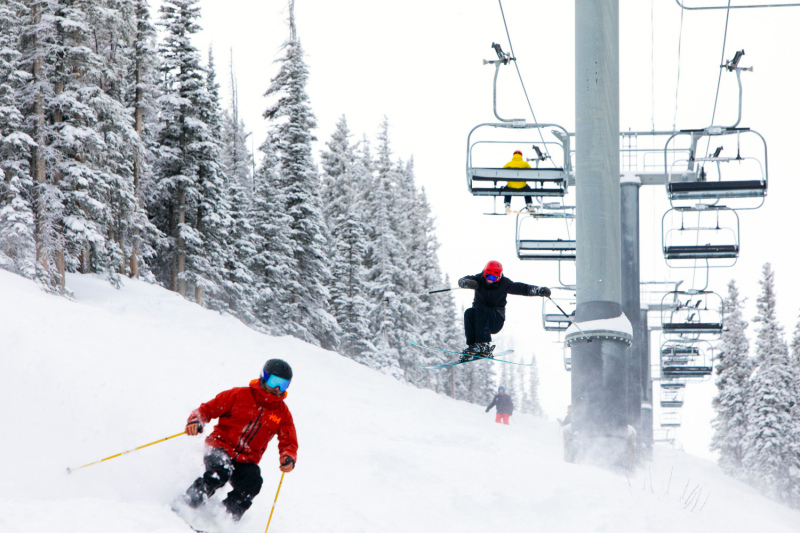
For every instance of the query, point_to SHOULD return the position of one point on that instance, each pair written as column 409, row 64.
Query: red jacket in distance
column 248, row 419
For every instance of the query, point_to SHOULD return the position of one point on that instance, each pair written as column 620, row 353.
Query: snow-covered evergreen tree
column 344, row 177
column 272, row 262
column 531, row 393
column 142, row 95
column 794, row 437
column 17, row 244
column 213, row 219
column 292, row 120
column 386, row 263
column 768, row 458
column 733, row 367
column 189, row 206
column 236, row 159
column 38, row 39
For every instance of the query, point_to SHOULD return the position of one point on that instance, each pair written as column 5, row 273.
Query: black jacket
column 494, row 295
column 504, row 404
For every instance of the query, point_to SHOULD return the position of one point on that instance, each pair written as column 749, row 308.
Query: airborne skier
column 488, row 312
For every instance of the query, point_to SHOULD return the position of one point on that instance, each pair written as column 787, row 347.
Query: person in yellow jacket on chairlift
column 517, row 162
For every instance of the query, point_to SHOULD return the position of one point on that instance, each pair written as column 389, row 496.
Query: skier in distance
column 248, row 419
column 488, row 312
column 505, row 407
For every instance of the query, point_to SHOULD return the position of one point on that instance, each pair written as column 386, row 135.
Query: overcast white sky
column 419, row 62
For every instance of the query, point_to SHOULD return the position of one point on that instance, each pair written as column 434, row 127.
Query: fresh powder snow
column 115, row 369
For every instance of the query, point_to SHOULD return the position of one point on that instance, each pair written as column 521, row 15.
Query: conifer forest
column 118, row 159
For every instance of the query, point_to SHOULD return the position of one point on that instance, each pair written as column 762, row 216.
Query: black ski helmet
column 278, row 367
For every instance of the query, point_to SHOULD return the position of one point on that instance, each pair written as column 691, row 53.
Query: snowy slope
column 82, row 380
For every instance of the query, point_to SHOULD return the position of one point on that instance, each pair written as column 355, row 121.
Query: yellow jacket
column 517, row 162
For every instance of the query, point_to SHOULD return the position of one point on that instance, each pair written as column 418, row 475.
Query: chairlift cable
column 519, row 75
column 721, row 62
column 678, row 80
column 652, row 69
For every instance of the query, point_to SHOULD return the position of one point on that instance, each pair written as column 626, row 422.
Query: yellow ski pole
column 276, row 501
column 70, row 470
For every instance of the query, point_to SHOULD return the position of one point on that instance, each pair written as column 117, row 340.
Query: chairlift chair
column 672, row 394
column 692, row 313
column 700, row 232
column 734, row 168
column 686, row 359
column 555, row 223
column 670, row 419
column 487, row 154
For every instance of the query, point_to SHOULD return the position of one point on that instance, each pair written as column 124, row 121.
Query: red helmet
column 493, row 268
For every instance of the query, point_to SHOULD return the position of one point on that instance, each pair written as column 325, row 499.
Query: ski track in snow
column 85, row 379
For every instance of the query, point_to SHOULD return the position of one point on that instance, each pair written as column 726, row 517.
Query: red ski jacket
column 248, row 419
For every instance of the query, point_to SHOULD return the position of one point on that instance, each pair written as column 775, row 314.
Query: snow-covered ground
column 82, row 380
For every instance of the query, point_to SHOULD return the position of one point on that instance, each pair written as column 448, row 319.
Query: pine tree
column 794, row 436
column 216, row 263
column 387, row 270
column 17, row 244
column 531, row 393
column 272, row 262
column 733, row 368
column 142, row 93
column 236, row 159
column 307, row 311
column 343, row 177
column 38, row 37
column 113, row 38
column 189, row 204
column 769, row 411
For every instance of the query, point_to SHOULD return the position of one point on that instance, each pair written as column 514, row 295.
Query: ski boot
column 465, row 356
column 485, row 350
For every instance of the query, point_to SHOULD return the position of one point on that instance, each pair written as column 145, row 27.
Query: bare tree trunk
column 137, row 156
column 37, row 161
column 181, row 243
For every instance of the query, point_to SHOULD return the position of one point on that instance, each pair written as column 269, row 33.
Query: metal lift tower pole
column 631, row 304
column 600, row 338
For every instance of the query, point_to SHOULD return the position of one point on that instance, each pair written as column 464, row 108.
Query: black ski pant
column 245, row 480
column 481, row 322
column 507, row 199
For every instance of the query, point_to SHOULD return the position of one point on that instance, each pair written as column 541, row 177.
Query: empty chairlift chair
column 681, row 359
column 672, row 394
column 491, row 145
column 670, row 419
column 692, row 314
column 717, row 162
column 547, row 233
column 702, row 232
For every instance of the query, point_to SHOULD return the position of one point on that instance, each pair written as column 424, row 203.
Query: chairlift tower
column 601, row 335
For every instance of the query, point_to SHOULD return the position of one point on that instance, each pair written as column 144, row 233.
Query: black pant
column 245, row 479
column 481, row 322
column 507, row 199
column 528, row 200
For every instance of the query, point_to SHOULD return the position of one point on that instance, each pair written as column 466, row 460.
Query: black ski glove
column 468, row 283
column 539, row 291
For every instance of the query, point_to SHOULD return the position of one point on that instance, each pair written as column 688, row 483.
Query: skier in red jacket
column 248, row 419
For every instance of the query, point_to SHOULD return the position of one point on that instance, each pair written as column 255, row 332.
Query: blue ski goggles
column 492, row 278
column 274, row 381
